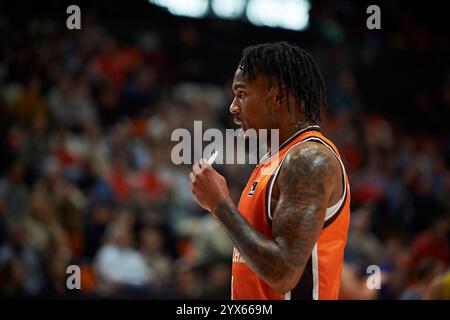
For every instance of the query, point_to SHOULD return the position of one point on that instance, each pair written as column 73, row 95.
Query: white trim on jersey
column 315, row 272
column 331, row 211
column 269, row 213
column 232, row 288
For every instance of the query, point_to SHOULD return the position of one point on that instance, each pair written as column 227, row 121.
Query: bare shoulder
column 311, row 170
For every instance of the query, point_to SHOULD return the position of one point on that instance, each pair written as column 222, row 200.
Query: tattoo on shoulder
column 307, row 172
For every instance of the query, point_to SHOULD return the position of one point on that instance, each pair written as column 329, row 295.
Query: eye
column 241, row 94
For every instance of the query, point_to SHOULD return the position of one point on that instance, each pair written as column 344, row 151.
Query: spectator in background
column 439, row 288
column 432, row 244
column 212, row 242
column 189, row 282
column 25, row 271
column 153, row 251
column 70, row 103
column 93, row 184
column 109, row 106
column 55, row 284
column 14, row 192
column 217, row 282
column 345, row 97
column 35, row 146
column 393, row 265
column 363, row 247
column 121, row 269
column 139, row 93
column 100, row 216
column 424, row 274
column 64, row 205
column 30, row 103
column 60, row 103
column 94, row 149
column 40, row 223
column 12, row 278
column 119, row 176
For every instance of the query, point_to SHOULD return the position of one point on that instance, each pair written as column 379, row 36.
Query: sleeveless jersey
column 322, row 274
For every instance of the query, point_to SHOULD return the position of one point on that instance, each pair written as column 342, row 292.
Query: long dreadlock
column 293, row 67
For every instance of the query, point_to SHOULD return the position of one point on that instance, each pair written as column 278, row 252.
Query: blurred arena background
column 85, row 123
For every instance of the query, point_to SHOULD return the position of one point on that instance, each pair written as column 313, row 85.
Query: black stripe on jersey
column 304, row 288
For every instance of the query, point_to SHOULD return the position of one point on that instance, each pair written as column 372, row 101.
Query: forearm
column 263, row 256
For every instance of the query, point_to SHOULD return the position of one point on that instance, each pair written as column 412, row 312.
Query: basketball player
column 290, row 227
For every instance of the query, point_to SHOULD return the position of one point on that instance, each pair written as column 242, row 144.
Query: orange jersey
column 322, row 274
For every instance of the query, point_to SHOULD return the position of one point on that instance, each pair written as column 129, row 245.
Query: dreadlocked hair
column 293, row 67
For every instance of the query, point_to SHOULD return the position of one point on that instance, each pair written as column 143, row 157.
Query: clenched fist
column 208, row 186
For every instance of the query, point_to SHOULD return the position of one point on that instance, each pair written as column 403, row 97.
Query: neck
column 288, row 131
column 285, row 132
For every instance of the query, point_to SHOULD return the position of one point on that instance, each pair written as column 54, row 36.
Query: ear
column 281, row 96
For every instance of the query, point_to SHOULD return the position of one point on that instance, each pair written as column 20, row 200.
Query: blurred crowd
column 86, row 176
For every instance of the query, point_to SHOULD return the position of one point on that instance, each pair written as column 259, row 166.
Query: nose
column 234, row 108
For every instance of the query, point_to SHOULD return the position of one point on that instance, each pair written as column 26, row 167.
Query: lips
column 238, row 121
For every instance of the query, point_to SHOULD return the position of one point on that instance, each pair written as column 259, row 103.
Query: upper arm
column 306, row 181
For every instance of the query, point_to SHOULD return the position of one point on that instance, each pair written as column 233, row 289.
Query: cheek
column 255, row 109
column 250, row 111
column 251, row 107
column 247, row 108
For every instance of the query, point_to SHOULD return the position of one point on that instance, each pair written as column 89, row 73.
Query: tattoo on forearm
column 260, row 253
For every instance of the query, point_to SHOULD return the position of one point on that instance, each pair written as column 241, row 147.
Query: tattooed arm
column 307, row 180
